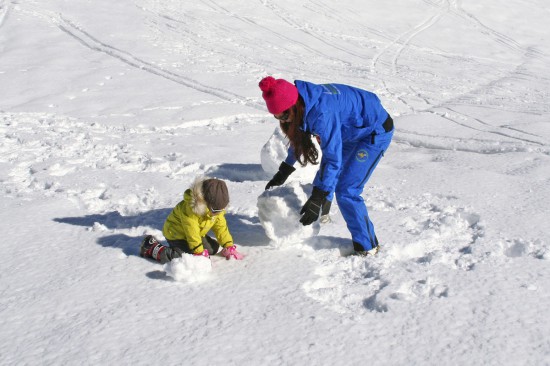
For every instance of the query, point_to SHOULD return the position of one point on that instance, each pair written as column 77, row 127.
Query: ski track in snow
column 4, row 10
column 385, row 63
column 175, row 29
column 317, row 34
column 403, row 40
column 89, row 41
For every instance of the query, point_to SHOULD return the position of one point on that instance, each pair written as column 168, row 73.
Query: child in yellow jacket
column 186, row 227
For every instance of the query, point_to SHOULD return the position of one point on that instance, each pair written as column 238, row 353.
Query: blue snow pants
column 358, row 162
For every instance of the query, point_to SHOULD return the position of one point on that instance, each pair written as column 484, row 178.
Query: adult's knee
column 348, row 194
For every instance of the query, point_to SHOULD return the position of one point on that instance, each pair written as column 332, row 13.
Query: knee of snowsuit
column 359, row 161
column 182, row 246
column 178, row 247
column 169, row 253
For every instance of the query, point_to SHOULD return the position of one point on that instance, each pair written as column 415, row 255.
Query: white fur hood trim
column 198, row 203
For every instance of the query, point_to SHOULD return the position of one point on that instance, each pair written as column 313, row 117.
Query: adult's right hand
column 281, row 176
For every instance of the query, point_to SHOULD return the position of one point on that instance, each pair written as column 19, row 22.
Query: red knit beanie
column 279, row 94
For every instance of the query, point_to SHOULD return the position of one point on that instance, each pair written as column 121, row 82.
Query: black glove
column 312, row 208
column 281, row 176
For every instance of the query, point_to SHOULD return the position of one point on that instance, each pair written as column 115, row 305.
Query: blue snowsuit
column 348, row 121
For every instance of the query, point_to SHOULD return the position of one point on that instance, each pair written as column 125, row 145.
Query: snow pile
column 279, row 213
column 189, row 268
column 275, row 151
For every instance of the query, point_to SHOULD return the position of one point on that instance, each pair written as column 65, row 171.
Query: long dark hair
column 304, row 150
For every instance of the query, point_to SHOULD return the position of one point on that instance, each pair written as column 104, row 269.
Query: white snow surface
column 109, row 110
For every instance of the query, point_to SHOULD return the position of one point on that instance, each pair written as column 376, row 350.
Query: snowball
column 279, row 213
column 189, row 268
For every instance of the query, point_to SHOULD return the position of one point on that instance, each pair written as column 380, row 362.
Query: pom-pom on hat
column 215, row 193
column 279, row 94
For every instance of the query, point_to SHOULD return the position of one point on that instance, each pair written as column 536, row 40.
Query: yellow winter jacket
column 191, row 220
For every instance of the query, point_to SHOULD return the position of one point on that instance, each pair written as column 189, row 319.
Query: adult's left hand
column 312, row 209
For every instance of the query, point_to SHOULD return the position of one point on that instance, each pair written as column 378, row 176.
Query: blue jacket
column 339, row 115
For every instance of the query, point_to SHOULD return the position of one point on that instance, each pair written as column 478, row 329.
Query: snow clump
column 189, row 268
column 279, row 213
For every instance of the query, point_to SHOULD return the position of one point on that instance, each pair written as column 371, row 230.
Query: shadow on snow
column 246, row 231
column 321, row 242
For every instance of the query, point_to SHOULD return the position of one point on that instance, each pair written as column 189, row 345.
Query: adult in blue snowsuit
column 353, row 129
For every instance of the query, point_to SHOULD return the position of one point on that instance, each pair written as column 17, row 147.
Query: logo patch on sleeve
column 330, row 89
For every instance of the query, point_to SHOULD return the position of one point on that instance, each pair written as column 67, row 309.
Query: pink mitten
column 231, row 252
column 204, row 253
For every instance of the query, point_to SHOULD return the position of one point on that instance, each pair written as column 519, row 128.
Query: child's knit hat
column 215, row 194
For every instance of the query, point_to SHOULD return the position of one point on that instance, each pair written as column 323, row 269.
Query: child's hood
column 194, row 196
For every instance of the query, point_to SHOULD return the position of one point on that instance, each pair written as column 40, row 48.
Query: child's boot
column 148, row 245
column 151, row 248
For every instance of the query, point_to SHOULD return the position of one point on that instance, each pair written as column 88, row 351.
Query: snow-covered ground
column 109, row 110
